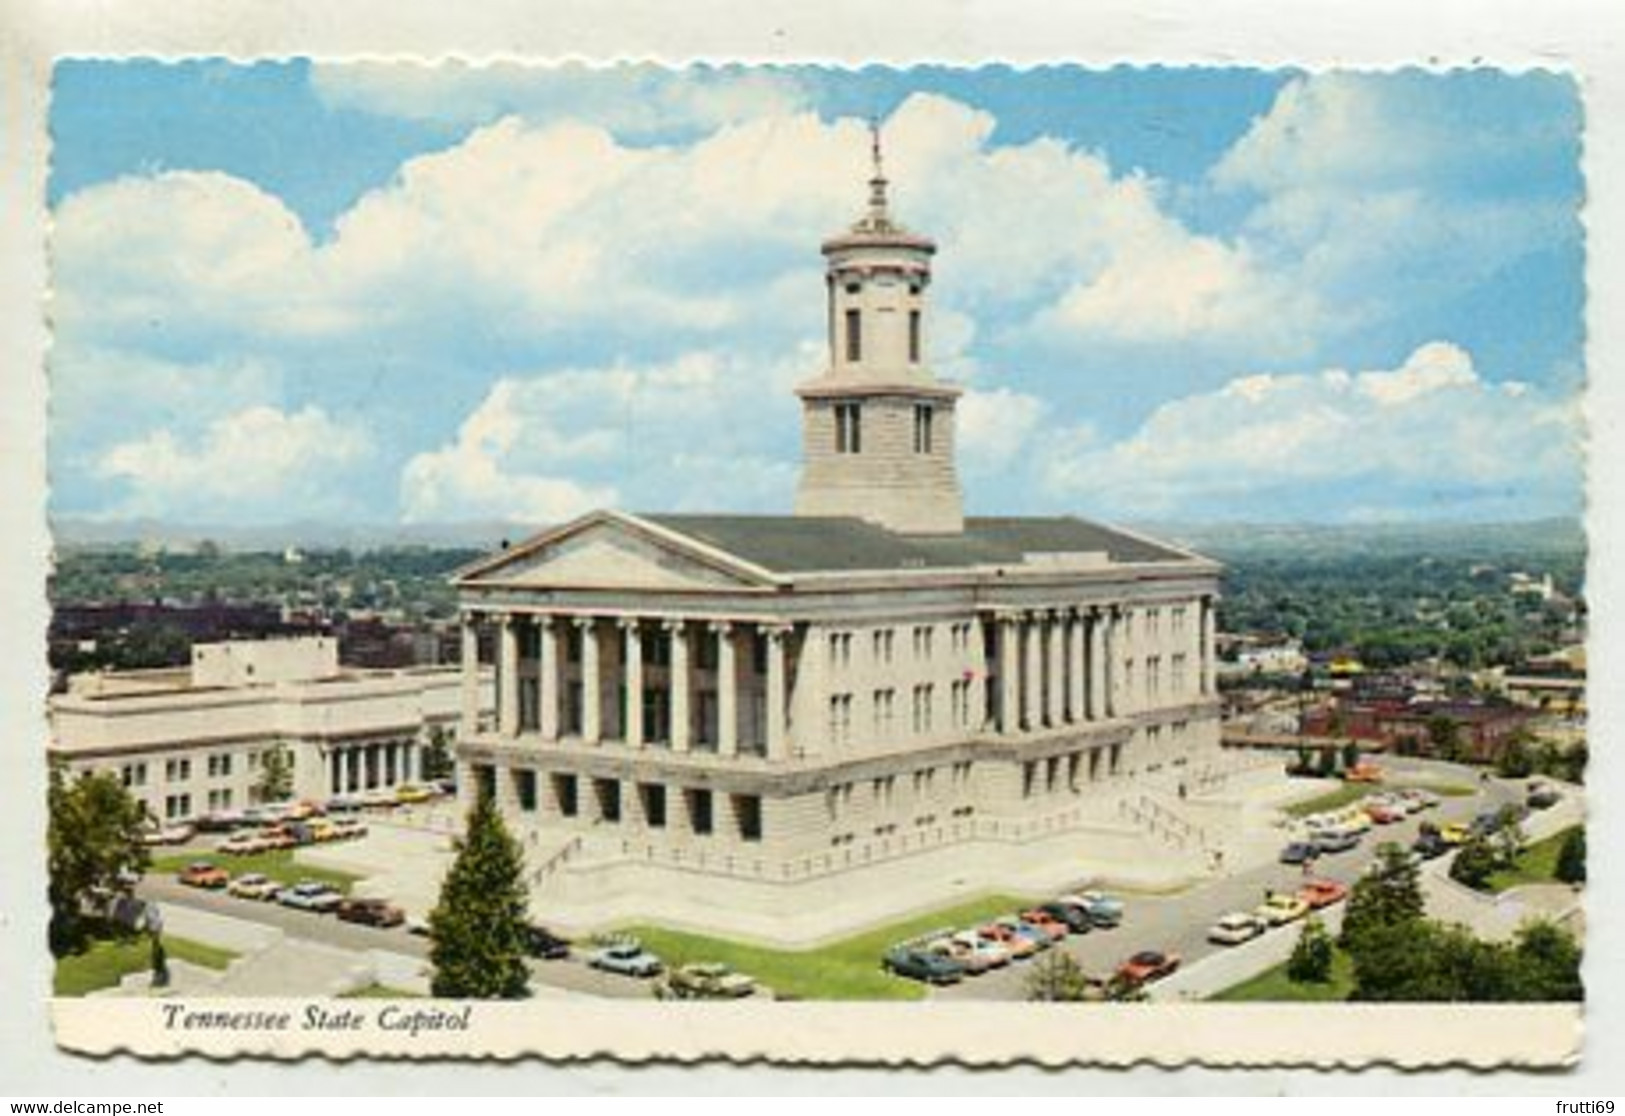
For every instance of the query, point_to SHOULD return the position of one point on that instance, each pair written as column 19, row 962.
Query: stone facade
column 786, row 699
column 192, row 741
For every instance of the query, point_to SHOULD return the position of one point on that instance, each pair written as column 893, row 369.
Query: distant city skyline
column 292, row 293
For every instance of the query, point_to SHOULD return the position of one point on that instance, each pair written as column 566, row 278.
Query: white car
column 1235, row 928
column 253, row 885
column 993, row 953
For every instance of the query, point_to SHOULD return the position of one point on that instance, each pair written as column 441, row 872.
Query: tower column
column 1078, row 680
column 1097, row 665
column 1055, row 670
column 552, row 659
column 1009, row 669
column 1032, row 683
column 775, row 693
column 508, row 697
column 727, row 691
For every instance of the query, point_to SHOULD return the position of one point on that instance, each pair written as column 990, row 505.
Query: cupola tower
column 877, row 427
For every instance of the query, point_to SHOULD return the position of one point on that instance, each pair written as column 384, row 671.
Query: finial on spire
column 877, row 184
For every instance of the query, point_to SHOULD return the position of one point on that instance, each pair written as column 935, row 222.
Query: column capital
column 672, row 624
column 721, row 627
column 628, row 623
column 777, row 631
column 583, row 622
column 544, row 620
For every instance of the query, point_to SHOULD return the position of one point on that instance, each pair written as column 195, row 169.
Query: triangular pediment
column 611, row 551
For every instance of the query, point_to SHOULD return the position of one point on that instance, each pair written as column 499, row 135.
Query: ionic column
column 1009, row 670
column 1114, row 670
column 632, row 707
column 591, row 713
column 1097, row 664
column 1055, row 671
column 470, row 676
column 680, row 686
column 552, row 659
column 775, row 693
column 1077, row 696
column 1208, row 654
column 1034, row 666
column 508, row 697
column 727, row 691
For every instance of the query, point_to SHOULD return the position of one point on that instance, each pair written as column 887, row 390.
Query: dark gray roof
column 805, row 544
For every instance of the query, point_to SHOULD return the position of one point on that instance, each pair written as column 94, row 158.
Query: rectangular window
column 914, row 336
column 653, row 797
column 699, row 811
column 848, row 428
column 854, row 336
column 524, row 789
column 608, row 793
column 922, row 428
column 748, row 809
column 564, row 794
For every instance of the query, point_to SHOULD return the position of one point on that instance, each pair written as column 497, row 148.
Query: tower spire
column 878, row 216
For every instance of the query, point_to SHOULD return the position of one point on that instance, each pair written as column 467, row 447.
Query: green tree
column 93, row 836
column 1388, row 896
column 438, row 762
column 1444, row 737
column 1546, row 963
column 1475, row 863
column 1517, row 758
column 276, row 776
column 1571, row 857
column 1429, row 962
column 1057, row 977
column 1311, row 960
column 478, row 926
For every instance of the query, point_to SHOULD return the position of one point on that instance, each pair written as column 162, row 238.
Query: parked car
column 1322, row 893
column 1038, row 936
column 1103, row 910
column 1424, row 798
column 204, row 874
column 626, row 957
column 708, row 980
column 1299, row 851
column 1430, row 845
column 543, row 943
column 169, row 835
column 245, row 844
column 1019, row 945
column 1454, row 833
column 1278, row 909
column 308, row 895
column 1385, row 812
column 996, row 953
column 1048, row 923
column 1146, row 966
column 1336, row 840
column 221, row 821
column 921, row 964
column 974, row 960
column 253, row 885
column 411, row 793
column 343, row 804
column 370, row 912
column 345, row 829
column 1363, row 771
column 1235, row 928
column 1076, row 919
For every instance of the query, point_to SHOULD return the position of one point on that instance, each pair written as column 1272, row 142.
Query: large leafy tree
column 1311, row 960
column 1475, row 864
column 1571, row 857
column 93, row 836
column 478, row 927
column 1390, row 895
column 1426, row 961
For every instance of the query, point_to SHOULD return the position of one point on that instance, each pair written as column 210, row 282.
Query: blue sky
column 386, row 293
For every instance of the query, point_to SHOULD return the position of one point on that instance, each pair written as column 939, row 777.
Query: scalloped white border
column 1580, row 36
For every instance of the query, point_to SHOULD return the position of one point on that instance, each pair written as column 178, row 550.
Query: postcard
column 914, row 564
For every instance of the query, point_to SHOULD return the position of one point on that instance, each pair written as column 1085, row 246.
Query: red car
column 1018, row 946
column 203, row 874
column 1322, row 893
column 1384, row 814
column 1048, row 923
column 1147, row 965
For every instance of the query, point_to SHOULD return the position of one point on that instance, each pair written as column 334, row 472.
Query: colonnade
column 363, row 766
column 637, row 681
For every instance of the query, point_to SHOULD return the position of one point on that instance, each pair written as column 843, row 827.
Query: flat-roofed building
column 192, row 740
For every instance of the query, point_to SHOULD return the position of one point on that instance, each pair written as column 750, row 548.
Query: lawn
column 1350, row 793
column 278, row 864
column 376, row 991
column 109, row 961
column 1273, row 985
column 845, row 970
column 1537, row 864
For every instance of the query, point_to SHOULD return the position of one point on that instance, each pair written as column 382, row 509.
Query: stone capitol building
column 788, row 725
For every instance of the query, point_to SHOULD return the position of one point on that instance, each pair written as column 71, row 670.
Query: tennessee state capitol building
column 729, row 704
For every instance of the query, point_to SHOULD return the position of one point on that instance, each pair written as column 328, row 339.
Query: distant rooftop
column 811, row 544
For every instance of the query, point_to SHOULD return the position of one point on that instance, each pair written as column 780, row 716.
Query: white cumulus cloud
column 1431, row 430
column 256, row 462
